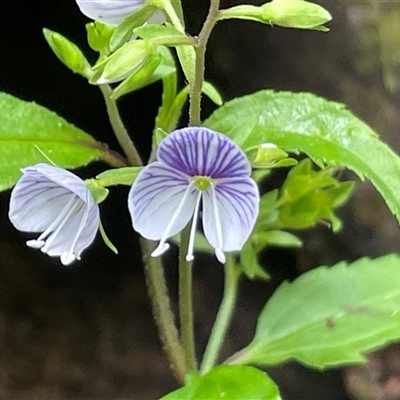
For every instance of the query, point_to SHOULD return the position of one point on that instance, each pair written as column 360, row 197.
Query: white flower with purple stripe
column 196, row 166
column 58, row 203
column 112, row 12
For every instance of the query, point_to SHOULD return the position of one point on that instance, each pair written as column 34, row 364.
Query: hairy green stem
column 118, row 127
column 163, row 315
column 185, row 267
column 197, row 84
column 224, row 316
column 186, row 301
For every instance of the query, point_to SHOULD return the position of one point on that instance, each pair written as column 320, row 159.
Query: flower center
column 202, row 182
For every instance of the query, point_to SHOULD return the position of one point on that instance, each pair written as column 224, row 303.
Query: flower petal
column 109, row 11
column 41, row 194
column 230, row 209
column 58, row 203
column 161, row 198
column 201, row 151
column 78, row 232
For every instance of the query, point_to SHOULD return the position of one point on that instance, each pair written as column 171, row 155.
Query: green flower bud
column 68, row 53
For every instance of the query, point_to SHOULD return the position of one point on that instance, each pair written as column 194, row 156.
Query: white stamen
column 79, row 231
column 50, row 229
column 162, row 246
column 67, row 258
column 190, row 256
column 220, row 256
column 35, row 244
column 161, row 249
column 218, row 250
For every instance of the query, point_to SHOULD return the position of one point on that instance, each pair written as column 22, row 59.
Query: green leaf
column 212, row 93
column 24, row 125
column 324, row 130
column 227, row 382
column 165, row 35
column 123, row 32
column 68, row 53
column 329, row 316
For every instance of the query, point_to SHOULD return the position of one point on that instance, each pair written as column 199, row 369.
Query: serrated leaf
column 227, row 382
column 324, row 130
column 329, row 316
column 24, row 125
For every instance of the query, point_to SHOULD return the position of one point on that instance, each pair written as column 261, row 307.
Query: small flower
column 110, row 12
column 58, row 203
column 196, row 165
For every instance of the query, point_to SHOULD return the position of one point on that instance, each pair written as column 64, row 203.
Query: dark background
column 86, row 331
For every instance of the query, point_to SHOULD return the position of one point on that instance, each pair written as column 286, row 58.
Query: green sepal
column 157, row 67
column 98, row 192
column 126, row 60
column 106, row 240
column 118, row 176
column 98, row 35
column 268, row 155
column 68, row 53
column 124, row 30
column 165, row 35
column 139, row 78
column 288, row 14
column 159, row 135
column 212, row 93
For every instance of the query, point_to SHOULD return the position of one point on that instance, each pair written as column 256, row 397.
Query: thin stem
column 157, row 288
column 163, row 315
column 224, row 316
column 119, row 129
column 197, row 85
column 186, row 301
